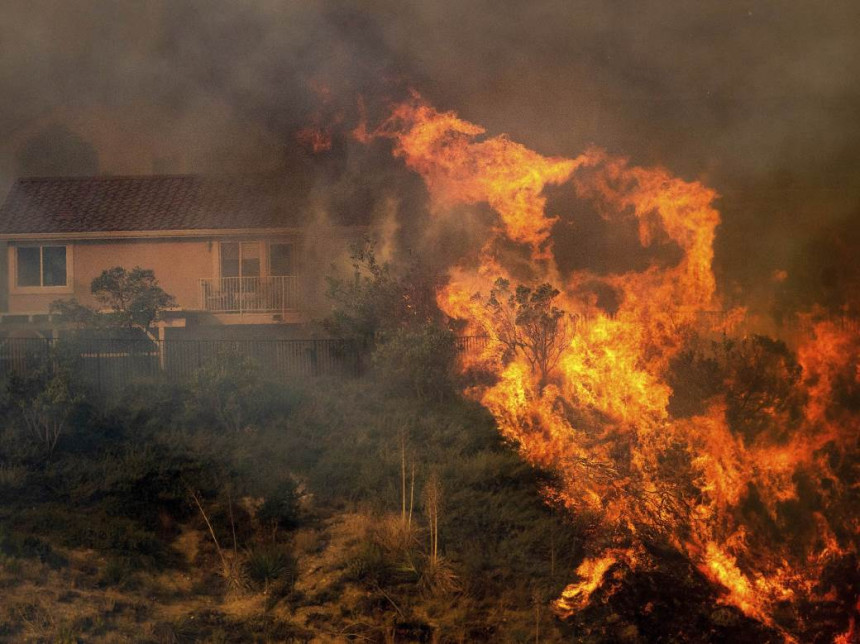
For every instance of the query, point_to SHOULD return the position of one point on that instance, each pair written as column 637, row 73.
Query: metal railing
column 249, row 294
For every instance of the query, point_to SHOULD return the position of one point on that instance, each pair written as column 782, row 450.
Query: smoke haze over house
column 757, row 100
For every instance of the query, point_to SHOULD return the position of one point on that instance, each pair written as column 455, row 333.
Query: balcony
column 250, row 294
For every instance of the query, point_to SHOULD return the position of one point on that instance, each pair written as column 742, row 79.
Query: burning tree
column 750, row 484
column 527, row 322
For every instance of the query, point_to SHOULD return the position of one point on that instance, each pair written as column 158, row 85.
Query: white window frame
column 14, row 289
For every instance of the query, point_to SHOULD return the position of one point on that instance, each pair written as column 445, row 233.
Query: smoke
column 756, row 99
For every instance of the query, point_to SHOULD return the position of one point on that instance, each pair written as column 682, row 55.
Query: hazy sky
column 758, row 99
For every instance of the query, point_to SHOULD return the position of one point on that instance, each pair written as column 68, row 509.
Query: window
column 281, row 259
column 250, row 254
column 41, row 266
column 230, row 259
column 240, row 259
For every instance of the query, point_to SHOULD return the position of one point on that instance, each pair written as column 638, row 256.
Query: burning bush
column 734, row 458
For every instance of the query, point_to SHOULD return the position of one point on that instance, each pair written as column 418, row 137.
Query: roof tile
column 146, row 203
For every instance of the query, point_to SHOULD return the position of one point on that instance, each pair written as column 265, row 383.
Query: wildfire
column 315, row 138
column 601, row 417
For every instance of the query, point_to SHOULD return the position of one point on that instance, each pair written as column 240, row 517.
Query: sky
column 757, row 99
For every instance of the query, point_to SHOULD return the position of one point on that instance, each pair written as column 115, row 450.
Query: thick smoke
column 757, row 99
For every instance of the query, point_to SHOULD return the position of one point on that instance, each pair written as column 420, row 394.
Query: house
column 237, row 253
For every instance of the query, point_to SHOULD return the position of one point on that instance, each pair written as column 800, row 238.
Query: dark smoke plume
column 757, row 99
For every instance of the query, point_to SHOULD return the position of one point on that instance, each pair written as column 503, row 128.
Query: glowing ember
column 750, row 486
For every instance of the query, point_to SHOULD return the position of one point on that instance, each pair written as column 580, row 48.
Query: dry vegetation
column 337, row 513
column 385, row 508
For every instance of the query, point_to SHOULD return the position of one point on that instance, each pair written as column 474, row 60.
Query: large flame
column 602, row 419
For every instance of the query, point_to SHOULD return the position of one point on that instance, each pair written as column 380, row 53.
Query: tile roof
column 146, row 203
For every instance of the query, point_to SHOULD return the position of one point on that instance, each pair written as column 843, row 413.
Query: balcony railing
column 250, row 294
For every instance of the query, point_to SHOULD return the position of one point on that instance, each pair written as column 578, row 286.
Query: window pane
column 28, row 267
column 54, row 266
column 230, row 259
column 250, row 267
column 281, row 259
column 250, row 259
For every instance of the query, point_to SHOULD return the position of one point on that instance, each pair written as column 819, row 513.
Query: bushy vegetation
column 253, row 468
column 128, row 299
column 384, row 507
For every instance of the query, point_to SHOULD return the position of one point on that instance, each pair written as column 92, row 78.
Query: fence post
column 49, row 362
column 99, row 370
column 162, row 362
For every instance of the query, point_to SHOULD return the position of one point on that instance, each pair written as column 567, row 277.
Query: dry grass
column 12, row 476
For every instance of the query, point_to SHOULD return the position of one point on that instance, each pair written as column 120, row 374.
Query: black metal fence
column 112, row 364
column 109, row 364
column 470, row 343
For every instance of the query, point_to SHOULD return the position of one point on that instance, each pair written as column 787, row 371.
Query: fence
column 109, row 365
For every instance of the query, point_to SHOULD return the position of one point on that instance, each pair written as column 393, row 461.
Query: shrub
column 17, row 546
column 270, row 563
column 116, row 571
column 46, row 401
column 370, row 566
column 12, row 476
column 229, row 392
column 281, row 507
column 418, row 362
column 377, row 298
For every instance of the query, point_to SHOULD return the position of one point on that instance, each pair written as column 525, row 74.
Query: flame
column 593, row 572
column 601, row 420
column 460, row 169
column 315, row 138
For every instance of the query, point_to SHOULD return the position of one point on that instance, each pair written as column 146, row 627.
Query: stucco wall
column 178, row 264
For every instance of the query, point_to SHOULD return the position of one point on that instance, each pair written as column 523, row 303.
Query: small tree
column 528, row 322
column 377, row 300
column 47, row 406
column 133, row 299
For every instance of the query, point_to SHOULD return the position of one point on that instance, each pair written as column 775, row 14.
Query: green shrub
column 94, row 529
column 417, row 362
column 223, row 392
column 46, row 401
column 270, row 563
column 370, row 566
column 281, row 507
column 229, row 392
column 150, row 406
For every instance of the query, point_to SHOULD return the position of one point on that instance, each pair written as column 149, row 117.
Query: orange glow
column 602, row 420
column 315, row 139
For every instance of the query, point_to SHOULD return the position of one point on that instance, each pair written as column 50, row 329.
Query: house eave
column 165, row 234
